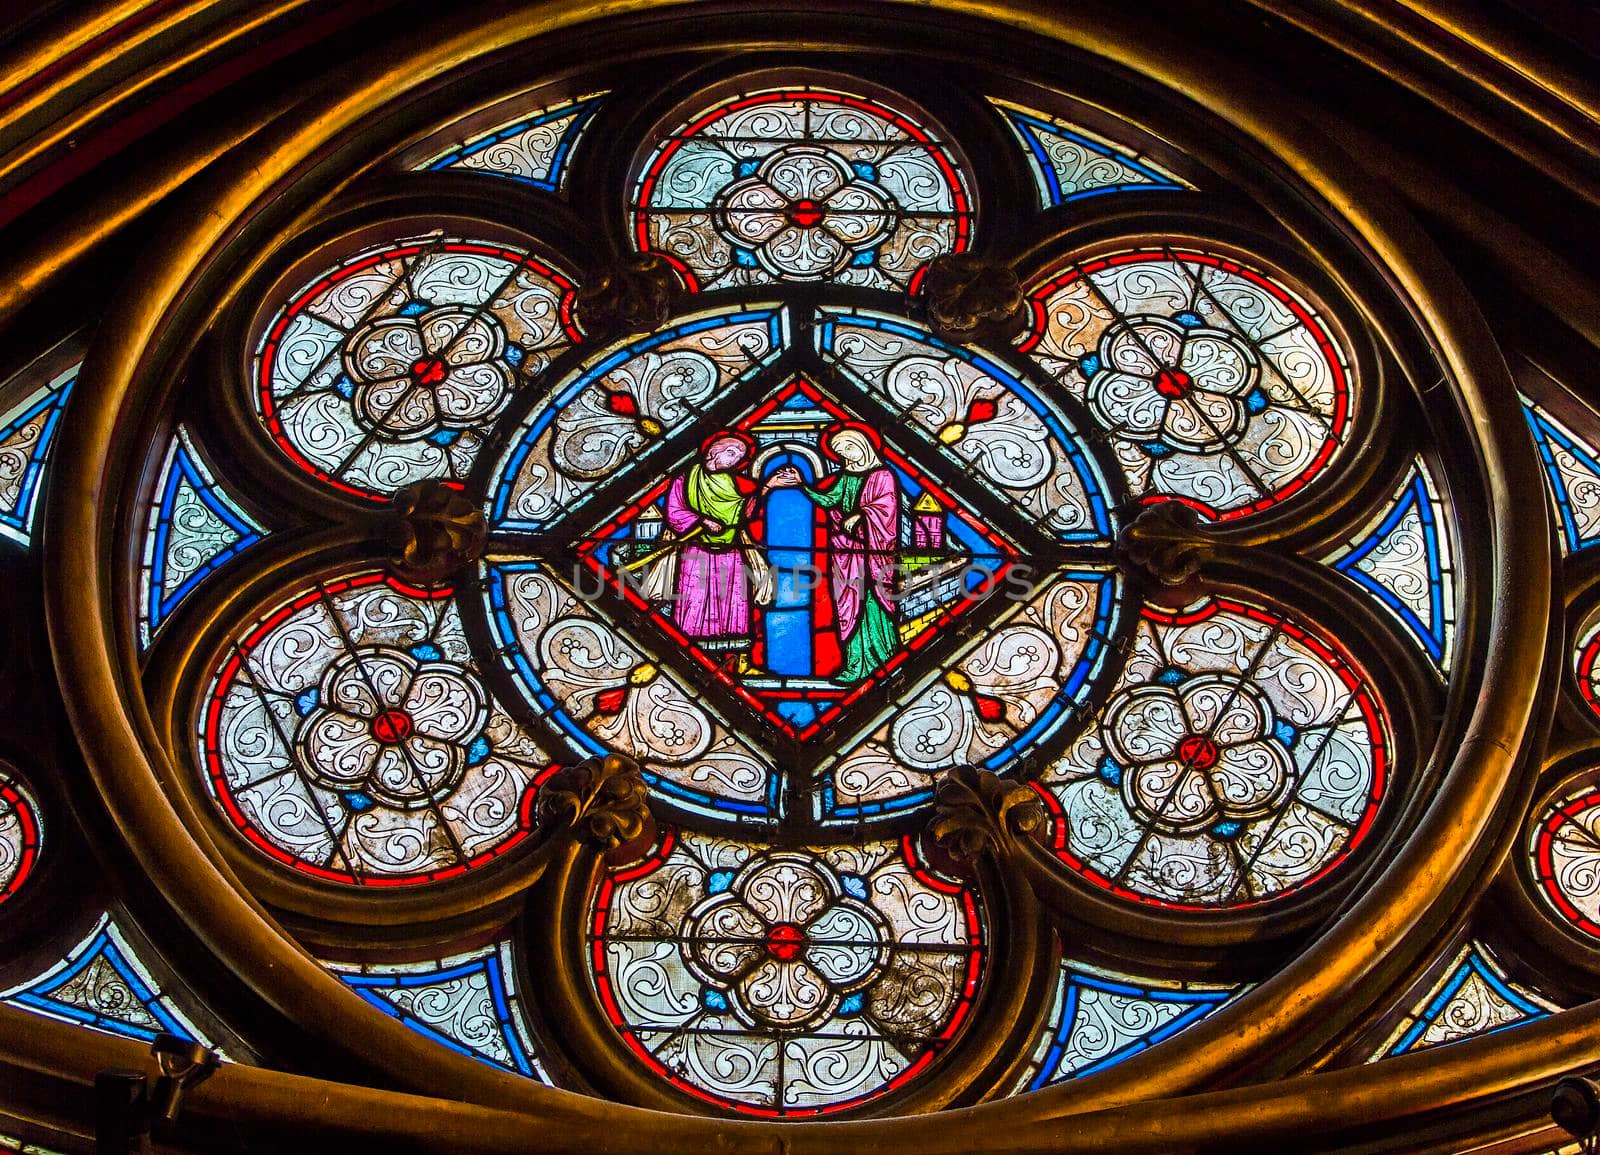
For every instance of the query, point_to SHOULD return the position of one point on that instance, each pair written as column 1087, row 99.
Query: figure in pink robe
column 707, row 507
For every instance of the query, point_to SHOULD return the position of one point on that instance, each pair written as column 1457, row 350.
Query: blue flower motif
column 307, row 701
column 854, row 885
column 721, row 880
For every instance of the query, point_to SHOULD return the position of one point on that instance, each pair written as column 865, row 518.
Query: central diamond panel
column 798, row 558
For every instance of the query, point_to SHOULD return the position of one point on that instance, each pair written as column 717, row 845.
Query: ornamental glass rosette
column 782, row 595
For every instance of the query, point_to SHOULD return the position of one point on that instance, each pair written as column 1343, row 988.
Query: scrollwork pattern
column 979, row 414
column 349, row 735
column 606, row 697
column 390, row 368
column 852, row 963
column 1239, row 757
column 1026, row 676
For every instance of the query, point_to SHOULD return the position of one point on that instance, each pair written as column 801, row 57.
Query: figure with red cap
column 863, row 503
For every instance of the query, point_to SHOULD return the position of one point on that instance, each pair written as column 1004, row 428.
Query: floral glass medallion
column 802, row 185
column 390, row 367
column 350, row 735
column 785, row 982
column 1239, row 757
column 1216, row 385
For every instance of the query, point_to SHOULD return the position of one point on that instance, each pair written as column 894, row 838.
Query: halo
column 743, row 439
column 839, row 427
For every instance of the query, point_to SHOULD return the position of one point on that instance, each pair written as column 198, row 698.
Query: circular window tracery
column 989, row 463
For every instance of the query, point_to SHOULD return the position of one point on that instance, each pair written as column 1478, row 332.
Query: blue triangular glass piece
column 1070, row 165
column 1402, row 562
column 28, row 431
column 100, row 987
column 1572, row 472
column 1139, row 1017
column 194, row 529
column 1487, row 1001
column 437, row 1003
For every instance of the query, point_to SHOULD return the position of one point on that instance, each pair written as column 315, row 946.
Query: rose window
column 811, row 594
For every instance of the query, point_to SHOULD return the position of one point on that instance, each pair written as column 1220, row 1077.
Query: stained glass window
column 1404, row 557
column 1239, row 756
column 102, row 984
column 1473, row 997
column 27, row 432
column 785, row 982
column 802, row 184
column 389, row 367
column 1069, row 162
column 813, row 565
column 1587, row 655
column 1565, row 856
column 195, row 528
column 533, row 149
column 468, row 1002
column 21, row 833
column 1215, row 384
column 349, row 734
column 1572, row 472
column 850, row 552
column 1099, row 1018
